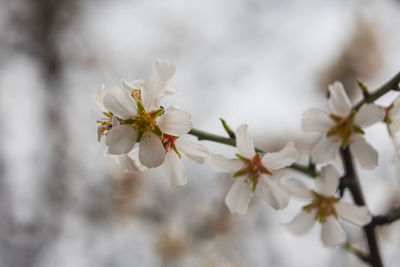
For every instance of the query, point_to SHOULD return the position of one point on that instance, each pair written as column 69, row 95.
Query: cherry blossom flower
column 250, row 169
column 325, row 208
column 106, row 122
column 139, row 113
column 342, row 127
column 174, row 147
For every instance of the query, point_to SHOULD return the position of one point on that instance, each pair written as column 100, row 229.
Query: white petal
column 332, row 233
column 99, row 99
column 193, row 151
column 239, row 196
column 338, row 102
column 316, row 120
column 358, row 215
column 325, row 150
column 174, row 169
column 328, row 181
column 120, row 103
column 163, row 70
column 169, row 88
column 302, row 223
column 134, row 85
column 175, row 122
column 368, row 115
column 130, row 162
column 244, row 143
column 363, row 152
column 151, row 151
column 297, row 189
column 283, row 158
column 219, row 163
column 273, row 194
column 151, row 94
column 121, row 139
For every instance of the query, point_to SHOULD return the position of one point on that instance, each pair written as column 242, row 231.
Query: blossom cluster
column 141, row 134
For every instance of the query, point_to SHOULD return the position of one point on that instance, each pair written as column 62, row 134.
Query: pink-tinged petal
column 358, row 215
column 339, row 103
column 273, row 194
column 174, row 170
column 130, row 162
column 99, row 99
column 297, row 188
column 175, row 122
column 120, row 103
column 316, row 120
column 151, row 151
column 363, row 152
column 193, row 151
column 151, row 94
column 328, row 181
column 332, row 233
column 325, row 150
column 121, row 139
column 302, row 223
column 368, row 115
column 283, row 158
column 239, row 196
column 244, row 142
column 163, row 70
column 219, row 163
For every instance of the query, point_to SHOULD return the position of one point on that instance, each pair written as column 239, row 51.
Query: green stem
column 392, row 84
column 202, row 135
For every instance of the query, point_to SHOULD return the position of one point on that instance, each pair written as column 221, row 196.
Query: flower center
column 168, row 142
column 105, row 125
column 344, row 128
column 137, row 94
column 145, row 122
column 325, row 206
column 253, row 168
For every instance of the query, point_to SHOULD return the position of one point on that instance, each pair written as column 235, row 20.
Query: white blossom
column 392, row 120
column 174, row 126
column 342, row 127
column 250, row 168
column 325, row 208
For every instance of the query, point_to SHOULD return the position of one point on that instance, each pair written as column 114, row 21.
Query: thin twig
column 392, row 216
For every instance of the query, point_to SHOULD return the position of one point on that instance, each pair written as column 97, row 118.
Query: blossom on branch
column 392, row 121
column 251, row 168
column 342, row 127
column 325, row 208
column 174, row 123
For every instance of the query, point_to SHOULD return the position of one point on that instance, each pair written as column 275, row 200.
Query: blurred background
column 62, row 203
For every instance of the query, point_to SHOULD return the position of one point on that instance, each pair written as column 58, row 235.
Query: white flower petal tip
column 195, row 152
column 339, row 103
column 238, row 198
column 120, row 103
column 121, row 139
column 328, row 181
column 297, row 189
column 219, row 163
column 151, row 151
column 332, row 233
column 364, row 153
column 175, row 171
column 175, row 122
column 358, row 215
column 316, row 120
column 283, row 158
column 163, row 70
column 130, row 162
column 244, row 142
column 99, row 99
column 302, row 223
column 369, row 114
column 325, row 150
column 273, row 194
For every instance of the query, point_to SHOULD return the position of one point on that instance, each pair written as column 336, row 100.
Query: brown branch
column 392, row 216
column 356, row 192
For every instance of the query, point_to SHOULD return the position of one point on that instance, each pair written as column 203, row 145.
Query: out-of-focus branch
column 392, row 216
column 202, row 135
column 361, row 255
